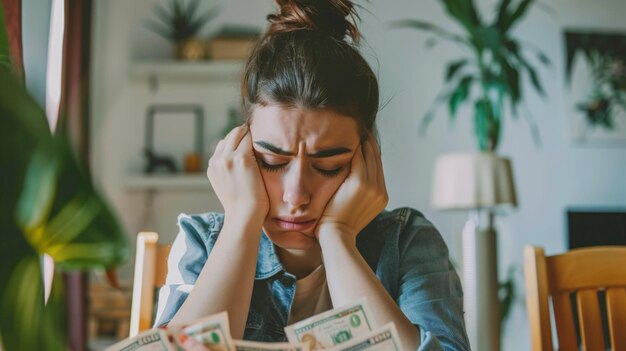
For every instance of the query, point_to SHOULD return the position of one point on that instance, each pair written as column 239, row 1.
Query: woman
column 304, row 226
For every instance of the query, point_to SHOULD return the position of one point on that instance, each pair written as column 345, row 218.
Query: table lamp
column 481, row 183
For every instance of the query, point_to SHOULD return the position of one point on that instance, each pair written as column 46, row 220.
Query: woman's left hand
column 361, row 197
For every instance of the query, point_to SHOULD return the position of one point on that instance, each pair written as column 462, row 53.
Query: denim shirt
column 405, row 250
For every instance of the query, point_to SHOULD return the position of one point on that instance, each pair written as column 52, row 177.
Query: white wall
column 551, row 177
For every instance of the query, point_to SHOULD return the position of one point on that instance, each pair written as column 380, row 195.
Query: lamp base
column 480, row 287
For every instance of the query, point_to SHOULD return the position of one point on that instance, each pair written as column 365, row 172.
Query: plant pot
column 190, row 50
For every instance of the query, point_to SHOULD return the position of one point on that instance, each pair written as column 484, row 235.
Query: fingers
column 233, row 138
column 245, row 145
column 357, row 167
column 370, row 162
column 219, row 148
column 366, row 162
column 232, row 141
column 380, row 176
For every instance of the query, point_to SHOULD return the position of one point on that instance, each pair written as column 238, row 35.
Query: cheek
column 327, row 187
column 273, row 185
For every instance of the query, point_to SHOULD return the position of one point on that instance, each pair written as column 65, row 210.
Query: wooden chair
column 584, row 273
column 150, row 272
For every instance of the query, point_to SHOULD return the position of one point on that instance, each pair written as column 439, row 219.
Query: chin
column 291, row 240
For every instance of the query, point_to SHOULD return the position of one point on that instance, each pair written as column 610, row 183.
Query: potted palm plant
column 490, row 76
column 50, row 207
column 489, row 79
column 178, row 22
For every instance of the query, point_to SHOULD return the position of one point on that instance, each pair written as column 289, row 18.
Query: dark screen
column 596, row 228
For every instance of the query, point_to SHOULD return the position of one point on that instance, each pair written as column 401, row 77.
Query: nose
column 296, row 192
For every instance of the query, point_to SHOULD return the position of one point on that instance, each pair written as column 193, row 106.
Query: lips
column 297, row 224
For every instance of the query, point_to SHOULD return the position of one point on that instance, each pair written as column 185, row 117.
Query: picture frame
column 596, row 79
column 161, row 158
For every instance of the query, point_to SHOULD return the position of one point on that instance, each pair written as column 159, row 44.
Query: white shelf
column 182, row 70
column 168, row 182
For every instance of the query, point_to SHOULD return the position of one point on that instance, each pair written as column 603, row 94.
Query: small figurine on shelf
column 155, row 162
column 192, row 162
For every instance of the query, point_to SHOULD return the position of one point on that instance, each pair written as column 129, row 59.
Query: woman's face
column 304, row 156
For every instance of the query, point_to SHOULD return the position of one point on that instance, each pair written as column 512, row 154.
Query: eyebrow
column 319, row 154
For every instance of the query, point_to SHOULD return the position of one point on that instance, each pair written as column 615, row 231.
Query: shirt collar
column 268, row 263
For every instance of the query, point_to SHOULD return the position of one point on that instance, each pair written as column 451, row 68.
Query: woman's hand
column 361, row 197
column 236, row 179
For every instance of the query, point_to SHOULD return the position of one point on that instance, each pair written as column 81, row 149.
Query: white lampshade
column 470, row 181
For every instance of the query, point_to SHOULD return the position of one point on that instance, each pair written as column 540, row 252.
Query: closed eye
column 278, row 167
column 272, row 167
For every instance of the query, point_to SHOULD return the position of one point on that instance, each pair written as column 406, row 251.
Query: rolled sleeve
column 187, row 256
column 430, row 292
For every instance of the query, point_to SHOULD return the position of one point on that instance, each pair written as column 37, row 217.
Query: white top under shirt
column 311, row 296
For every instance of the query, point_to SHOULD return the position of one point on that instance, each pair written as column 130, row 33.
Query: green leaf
column 516, row 15
column 464, row 12
column 510, row 77
column 507, row 294
column 481, row 125
column 534, row 78
column 487, row 125
column 489, row 37
column 455, row 67
column 459, row 95
column 26, row 323
column 76, row 215
column 35, row 203
column 503, row 13
column 5, row 58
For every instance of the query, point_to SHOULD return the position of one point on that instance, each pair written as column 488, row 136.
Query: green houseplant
column 48, row 206
column 491, row 75
column 179, row 23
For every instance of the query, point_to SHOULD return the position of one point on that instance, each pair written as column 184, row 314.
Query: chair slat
column 564, row 320
column 616, row 310
column 143, row 282
column 574, row 270
column 590, row 322
column 537, row 299
column 163, row 252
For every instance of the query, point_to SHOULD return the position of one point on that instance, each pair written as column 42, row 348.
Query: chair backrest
column 582, row 274
column 150, row 272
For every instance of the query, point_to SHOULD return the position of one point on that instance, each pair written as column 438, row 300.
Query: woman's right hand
column 236, row 179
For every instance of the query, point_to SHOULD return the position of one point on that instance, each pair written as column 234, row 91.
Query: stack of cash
column 348, row 328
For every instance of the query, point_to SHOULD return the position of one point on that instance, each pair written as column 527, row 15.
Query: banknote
column 331, row 328
column 151, row 340
column 244, row 345
column 383, row 339
column 212, row 331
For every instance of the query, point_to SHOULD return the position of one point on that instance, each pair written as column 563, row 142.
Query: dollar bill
column 334, row 327
column 151, row 340
column 212, row 331
column 244, row 345
column 382, row 339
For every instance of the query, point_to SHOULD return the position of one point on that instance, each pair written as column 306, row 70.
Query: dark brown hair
column 303, row 60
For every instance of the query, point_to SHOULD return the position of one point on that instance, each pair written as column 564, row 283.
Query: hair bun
column 329, row 16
